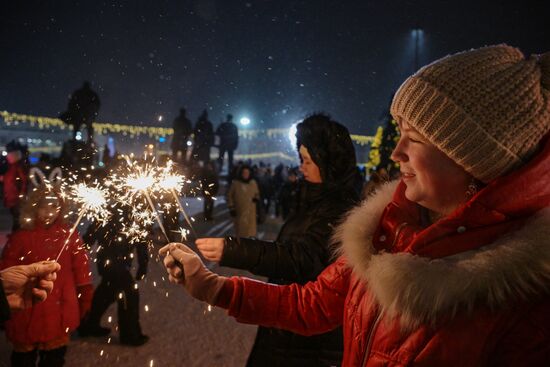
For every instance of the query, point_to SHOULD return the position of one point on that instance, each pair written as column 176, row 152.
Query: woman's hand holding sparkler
column 199, row 282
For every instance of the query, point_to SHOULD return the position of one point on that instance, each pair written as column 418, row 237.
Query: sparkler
column 143, row 182
column 173, row 183
column 93, row 201
column 144, row 179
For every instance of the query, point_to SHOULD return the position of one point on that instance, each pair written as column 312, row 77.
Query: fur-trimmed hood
column 419, row 289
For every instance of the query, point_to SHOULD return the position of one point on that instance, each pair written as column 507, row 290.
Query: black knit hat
column 329, row 145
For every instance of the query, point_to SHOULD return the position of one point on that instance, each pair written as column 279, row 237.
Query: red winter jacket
column 469, row 290
column 15, row 184
column 60, row 312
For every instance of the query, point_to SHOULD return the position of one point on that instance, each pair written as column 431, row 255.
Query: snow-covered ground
column 183, row 332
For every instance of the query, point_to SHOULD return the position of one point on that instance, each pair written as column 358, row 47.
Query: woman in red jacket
column 450, row 266
column 42, row 331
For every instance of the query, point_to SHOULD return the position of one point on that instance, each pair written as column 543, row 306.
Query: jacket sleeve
column 298, row 259
column 314, row 308
column 526, row 342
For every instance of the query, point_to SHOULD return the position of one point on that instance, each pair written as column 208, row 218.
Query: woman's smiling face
column 433, row 180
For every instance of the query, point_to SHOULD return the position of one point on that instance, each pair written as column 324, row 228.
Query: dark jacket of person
column 229, row 135
column 204, row 133
column 302, row 250
column 182, row 130
column 115, row 251
column 210, row 181
column 288, row 198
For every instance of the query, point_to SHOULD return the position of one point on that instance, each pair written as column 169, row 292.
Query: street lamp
column 417, row 34
column 245, row 121
column 292, row 134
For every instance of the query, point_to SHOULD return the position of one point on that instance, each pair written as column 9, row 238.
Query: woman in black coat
column 302, row 248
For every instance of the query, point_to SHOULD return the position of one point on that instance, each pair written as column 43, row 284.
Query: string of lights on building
column 12, row 119
column 133, row 130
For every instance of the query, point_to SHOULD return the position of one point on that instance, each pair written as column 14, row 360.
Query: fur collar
column 421, row 290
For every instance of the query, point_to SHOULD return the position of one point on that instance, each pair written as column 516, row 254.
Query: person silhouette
column 229, row 141
column 182, row 130
column 82, row 109
column 204, row 138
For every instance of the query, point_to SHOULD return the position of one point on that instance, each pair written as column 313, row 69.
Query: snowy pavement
column 183, row 331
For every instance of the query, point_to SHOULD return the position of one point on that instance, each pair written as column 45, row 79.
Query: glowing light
column 183, row 233
column 173, row 183
column 93, row 201
column 141, row 182
column 245, row 121
column 139, row 179
column 170, row 181
column 292, row 133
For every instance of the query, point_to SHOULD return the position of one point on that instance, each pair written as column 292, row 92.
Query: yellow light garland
column 104, row 128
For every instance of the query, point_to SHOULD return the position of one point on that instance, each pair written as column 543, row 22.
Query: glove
column 141, row 273
column 197, row 280
column 232, row 212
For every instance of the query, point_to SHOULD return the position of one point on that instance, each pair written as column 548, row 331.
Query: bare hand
column 211, row 248
column 25, row 285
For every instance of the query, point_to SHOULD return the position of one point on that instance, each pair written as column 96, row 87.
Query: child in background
column 41, row 333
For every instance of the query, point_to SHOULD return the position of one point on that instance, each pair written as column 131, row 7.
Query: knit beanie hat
column 330, row 146
column 486, row 109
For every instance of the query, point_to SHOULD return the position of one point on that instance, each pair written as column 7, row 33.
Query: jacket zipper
column 371, row 337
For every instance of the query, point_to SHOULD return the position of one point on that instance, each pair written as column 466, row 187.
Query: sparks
column 93, row 202
column 139, row 179
column 173, row 183
column 93, row 199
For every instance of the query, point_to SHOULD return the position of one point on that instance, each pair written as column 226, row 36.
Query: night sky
column 273, row 61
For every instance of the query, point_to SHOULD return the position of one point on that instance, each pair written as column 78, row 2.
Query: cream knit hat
column 487, row 109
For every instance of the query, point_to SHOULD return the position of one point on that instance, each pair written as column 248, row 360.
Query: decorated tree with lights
column 390, row 136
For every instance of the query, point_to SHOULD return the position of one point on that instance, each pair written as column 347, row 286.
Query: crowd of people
column 447, row 264
column 203, row 140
